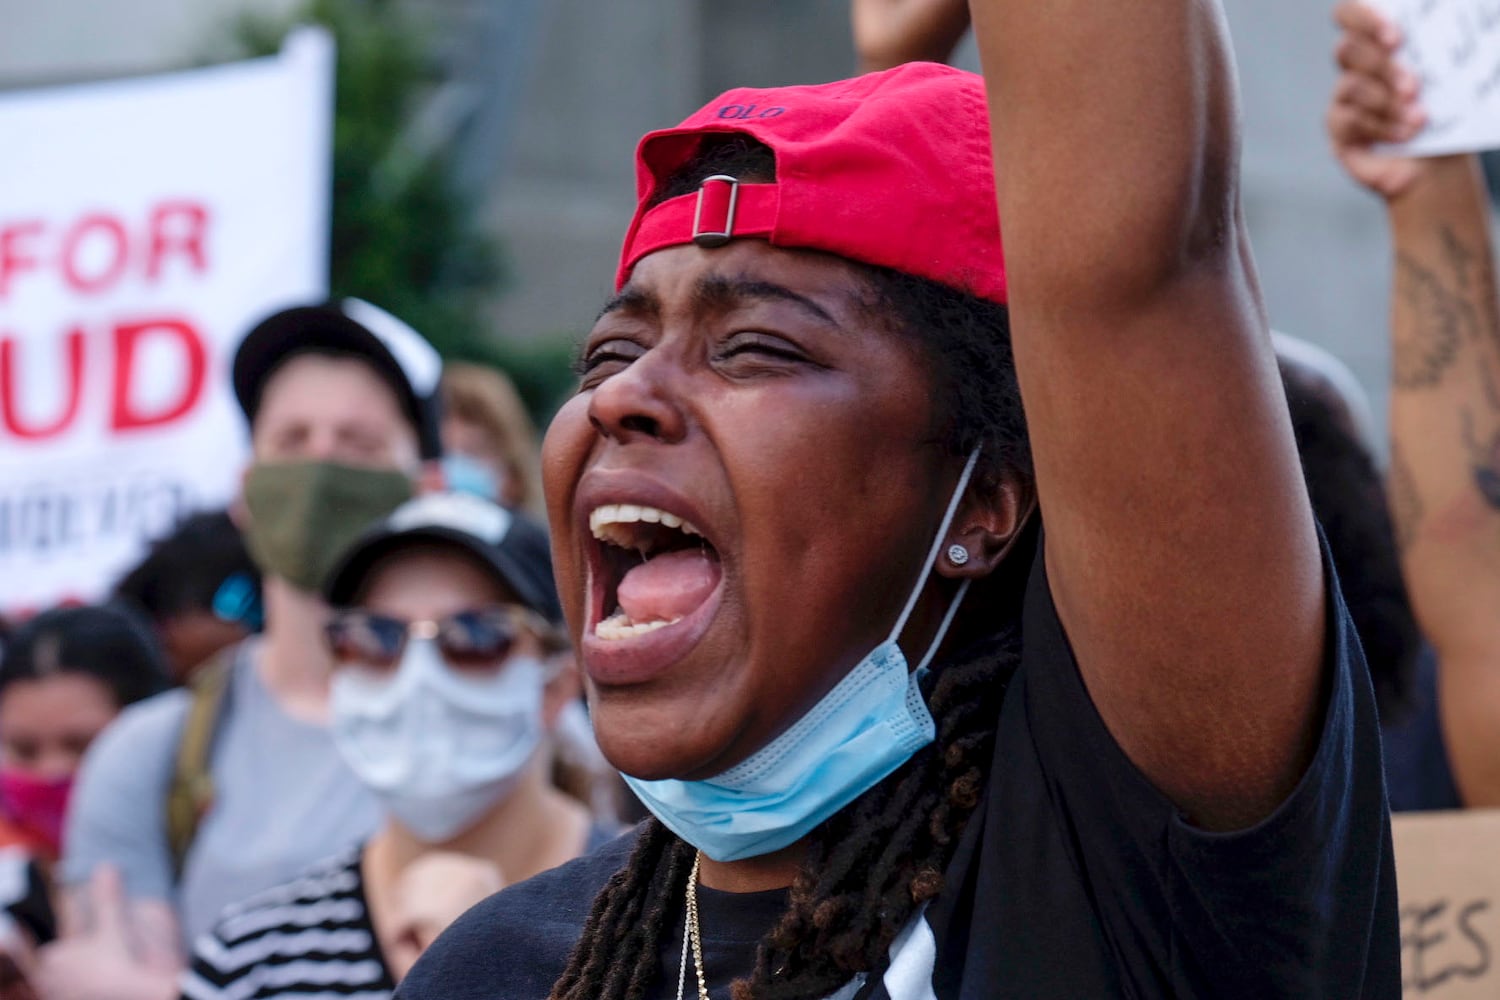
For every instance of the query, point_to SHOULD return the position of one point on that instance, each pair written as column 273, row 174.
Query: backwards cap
column 892, row 169
column 401, row 356
column 511, row 545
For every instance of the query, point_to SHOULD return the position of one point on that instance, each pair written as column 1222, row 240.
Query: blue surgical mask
column 467, row 474
column 867, row 726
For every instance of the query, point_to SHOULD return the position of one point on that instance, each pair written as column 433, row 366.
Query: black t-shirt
column 1075, row 878
column 1418, row 775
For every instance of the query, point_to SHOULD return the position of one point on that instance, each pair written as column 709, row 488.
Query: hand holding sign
column 1453, row 48
column 1375, row 104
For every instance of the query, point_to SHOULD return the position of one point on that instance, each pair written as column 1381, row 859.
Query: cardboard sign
column 1454, row 48
column 1448, row 878
column 144, row 225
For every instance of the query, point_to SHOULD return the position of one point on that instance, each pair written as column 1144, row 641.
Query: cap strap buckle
column 713, row 217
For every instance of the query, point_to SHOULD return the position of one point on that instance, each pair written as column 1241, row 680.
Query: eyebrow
column 719, row 294
column 632, row 300
column 716, row 292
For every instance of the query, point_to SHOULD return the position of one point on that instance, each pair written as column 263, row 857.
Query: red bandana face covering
column 37, row 805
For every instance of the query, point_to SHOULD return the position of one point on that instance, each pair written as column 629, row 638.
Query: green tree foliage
column 402, row 236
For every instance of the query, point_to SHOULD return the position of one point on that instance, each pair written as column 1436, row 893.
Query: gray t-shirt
column 283, row 800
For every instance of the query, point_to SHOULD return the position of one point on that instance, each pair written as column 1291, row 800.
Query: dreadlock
column 867, row 870
column 626, row 921
column 871, row 866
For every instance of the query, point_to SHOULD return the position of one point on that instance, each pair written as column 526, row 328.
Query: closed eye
column 599, row 361
column 756, row 345
column 289, row 439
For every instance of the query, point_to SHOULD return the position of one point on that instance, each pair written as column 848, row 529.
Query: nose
column 640, row 402
column 56, row 763
column 322, row 444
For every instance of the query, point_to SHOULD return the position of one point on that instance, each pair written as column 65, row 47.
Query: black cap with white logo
column 511, row 544
column 398, row 354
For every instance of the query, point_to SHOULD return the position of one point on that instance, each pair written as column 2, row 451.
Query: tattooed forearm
column 1484, row 458
column 1406, row 504
column 1460, row 257
column 1490, row 384
column 1473, row 270
column 1436, row 323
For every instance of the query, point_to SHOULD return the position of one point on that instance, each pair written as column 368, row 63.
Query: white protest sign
column 1448, row 880
column 1454, row 48
column 144, row 225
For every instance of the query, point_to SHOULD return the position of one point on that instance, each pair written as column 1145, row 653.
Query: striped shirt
column 310, row 938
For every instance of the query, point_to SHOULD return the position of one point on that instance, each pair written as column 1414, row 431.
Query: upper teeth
column 629, row 513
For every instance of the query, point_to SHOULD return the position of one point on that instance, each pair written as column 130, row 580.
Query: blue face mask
column 866, row 727
column 466, row 474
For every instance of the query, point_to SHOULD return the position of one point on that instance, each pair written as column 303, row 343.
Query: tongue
column 668, row 586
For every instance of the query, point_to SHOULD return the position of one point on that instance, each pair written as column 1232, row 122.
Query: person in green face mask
column 206, row 796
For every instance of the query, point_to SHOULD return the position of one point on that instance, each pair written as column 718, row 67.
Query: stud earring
column 958, row 555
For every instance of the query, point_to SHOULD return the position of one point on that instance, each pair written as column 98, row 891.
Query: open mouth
column 654, row 569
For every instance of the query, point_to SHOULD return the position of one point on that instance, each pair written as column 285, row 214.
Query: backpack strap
column 191, row 793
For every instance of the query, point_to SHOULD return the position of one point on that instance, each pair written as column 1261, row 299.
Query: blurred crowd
column 431, row 726
column 330, row 719
column 208, row 733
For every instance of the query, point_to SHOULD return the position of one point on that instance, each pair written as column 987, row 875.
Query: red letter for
column 127, row 416
column 116, row 266
column 178, row 227
column 10, row 379
column 13, row 258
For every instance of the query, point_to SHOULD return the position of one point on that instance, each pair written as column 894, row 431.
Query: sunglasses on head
column 474, row 640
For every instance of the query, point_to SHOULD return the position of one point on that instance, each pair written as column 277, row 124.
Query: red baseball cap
column 892, row 169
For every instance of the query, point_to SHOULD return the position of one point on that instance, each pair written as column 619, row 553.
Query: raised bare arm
column 1180, row 544
column 891, row 32
column 1444, row 482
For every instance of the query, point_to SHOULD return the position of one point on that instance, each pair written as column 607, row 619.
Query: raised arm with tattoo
column 1445, row 388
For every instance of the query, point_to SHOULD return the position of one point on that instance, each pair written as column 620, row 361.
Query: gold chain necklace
column 691, row 936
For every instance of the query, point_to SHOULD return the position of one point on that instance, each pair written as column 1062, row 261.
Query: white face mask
column 439, row 748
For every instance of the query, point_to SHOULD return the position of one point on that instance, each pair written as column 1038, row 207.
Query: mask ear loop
column 932, row 554
column 937, row 640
